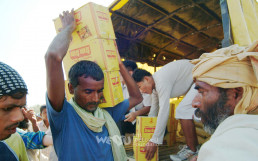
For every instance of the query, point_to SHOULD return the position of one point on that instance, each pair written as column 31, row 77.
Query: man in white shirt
column 172, row 80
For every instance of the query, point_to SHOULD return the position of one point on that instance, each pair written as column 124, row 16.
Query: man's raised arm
column 54, row 57
column 135, row 96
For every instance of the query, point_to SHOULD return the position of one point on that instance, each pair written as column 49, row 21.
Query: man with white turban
column 227, row 102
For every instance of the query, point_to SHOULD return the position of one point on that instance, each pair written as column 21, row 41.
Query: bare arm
column 132, row 116
column 54, row 56
column 47, row 140
column 135, row 97
column 30, row 115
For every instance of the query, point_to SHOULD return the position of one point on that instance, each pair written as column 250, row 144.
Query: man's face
column 145, row 86
column 10, row 115
column 89, row 93
column 212, row 105
column 44, row 114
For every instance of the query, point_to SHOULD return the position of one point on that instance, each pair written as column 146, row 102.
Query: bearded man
column 227, row 102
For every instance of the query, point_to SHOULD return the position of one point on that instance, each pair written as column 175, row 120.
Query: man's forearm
column 59, row 46
column 134, row 92
column 54, row 56
column 145, row 110
column 35, row 126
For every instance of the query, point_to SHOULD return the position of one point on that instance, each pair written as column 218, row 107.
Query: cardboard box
column 139, row 152
column 169, row 139
column 101, row 51
column 172, row 110
column 145, row 126
column 112, row 89
column 172, row 125
column 93, row 21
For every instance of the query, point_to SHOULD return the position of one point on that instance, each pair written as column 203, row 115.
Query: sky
column 26, row 31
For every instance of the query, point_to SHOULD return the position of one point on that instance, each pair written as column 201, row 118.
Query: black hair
column 18, row 93
column 139, row 74
column 87, row 69
column 130, row 65
column 42, row 108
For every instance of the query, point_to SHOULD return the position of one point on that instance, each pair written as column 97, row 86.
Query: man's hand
column 68, row 20
column 150, row 149
column 130, row 117
column 29, row 114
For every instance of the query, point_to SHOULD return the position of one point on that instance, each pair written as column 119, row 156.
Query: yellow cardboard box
column 172, row 125
column 145, row 126
column 93, row 21
column 139, row 152
column 101, row 51
column 169, row 138
column 172, row 110
column 112, row 89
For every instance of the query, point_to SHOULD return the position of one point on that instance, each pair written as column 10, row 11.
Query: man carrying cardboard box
column 81, row 130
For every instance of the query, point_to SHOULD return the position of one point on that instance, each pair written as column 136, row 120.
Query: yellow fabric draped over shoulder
column 231, row 67
column 96, row 122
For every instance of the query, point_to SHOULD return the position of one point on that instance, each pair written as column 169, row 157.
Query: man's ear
column 71, row 89
column 146, row 78
column 234, row 96
column 130, row 72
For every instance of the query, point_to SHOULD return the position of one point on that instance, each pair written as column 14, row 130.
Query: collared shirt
column 172, row 80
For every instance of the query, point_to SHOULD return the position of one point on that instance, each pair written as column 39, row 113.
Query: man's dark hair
column 139, row 74
column 19, row 93
column 130, row 65
column 24, row 124
column 87, row 69
column 42, row 108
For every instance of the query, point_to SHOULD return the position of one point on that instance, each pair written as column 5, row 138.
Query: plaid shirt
column 32, row 140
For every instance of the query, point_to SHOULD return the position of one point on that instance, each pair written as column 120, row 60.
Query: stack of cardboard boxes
column 145, row 127
column 94, row 40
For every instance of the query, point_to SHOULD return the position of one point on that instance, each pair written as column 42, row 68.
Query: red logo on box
column 149, row 130
column 102, row 16
column 115, row 80
column 80, row 52
column 111, row 54
column 77, row 16
column 142, row 150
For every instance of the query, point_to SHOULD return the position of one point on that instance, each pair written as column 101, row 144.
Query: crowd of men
column 220, row 87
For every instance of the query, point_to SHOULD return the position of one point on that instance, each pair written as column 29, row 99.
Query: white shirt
column 172, row 80
column 145, row 102
column 49, row 152
column 236, row 138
